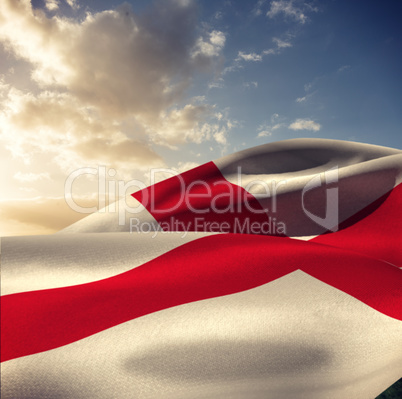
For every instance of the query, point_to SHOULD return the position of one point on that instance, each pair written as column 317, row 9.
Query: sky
column 125, row 87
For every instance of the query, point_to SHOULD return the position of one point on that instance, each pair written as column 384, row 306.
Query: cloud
column 220, row 136
column 185, row 124
column 218, row 15
column 110, row 153
column 301, row 99
column 73, row 4
column 211, row 46
column 31, row 177
column 257, row 10
column 108, row 87
column 264, row 133
column 277, row 126
column 52, row 5
column 248, row 57
column 52, row 123
column 306, row 97
column 290, row 10
column 216, row 85
column 268, row 130
column 39, row 215
column 265, row 130
column 344, row 68
column 116, row 60
column 255, row 57
column 250, row 84
column 281, row 43
column 308, row 87
column 305, row 124
column 193, row 123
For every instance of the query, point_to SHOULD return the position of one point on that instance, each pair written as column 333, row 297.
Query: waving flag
column 274, row 272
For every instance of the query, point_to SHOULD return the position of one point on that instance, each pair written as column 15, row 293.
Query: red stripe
column 213, row 266
column 176, row 204
column 377, row 234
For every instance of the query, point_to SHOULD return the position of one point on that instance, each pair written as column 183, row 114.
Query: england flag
column 274, row 272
